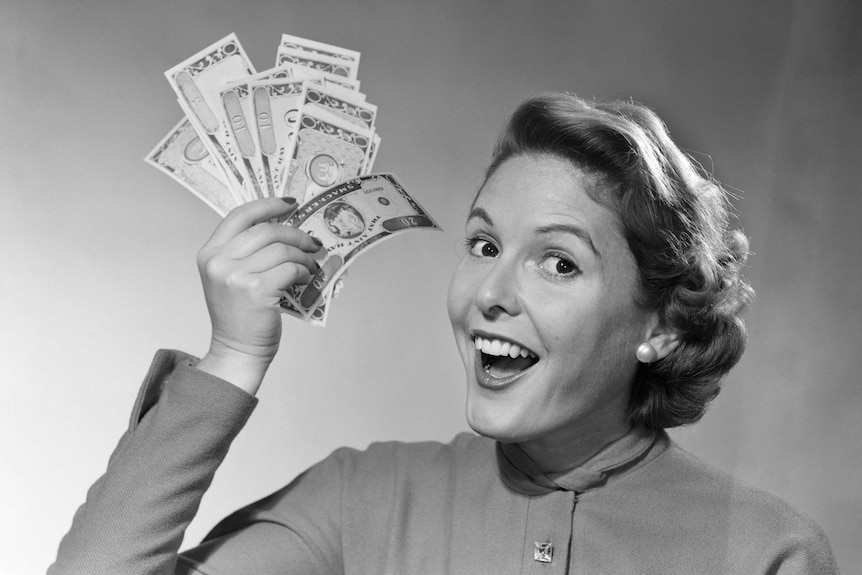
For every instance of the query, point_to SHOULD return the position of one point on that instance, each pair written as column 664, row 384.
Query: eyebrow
column 481, row 214
column 570, row 229
column 577, row 231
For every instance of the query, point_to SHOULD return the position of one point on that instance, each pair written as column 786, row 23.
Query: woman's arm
column 135, row 515
column 189, row 412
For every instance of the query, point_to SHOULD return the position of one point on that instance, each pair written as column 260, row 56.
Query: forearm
column 136, row 514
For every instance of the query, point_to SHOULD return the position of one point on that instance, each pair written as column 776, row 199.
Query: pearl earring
column 646, row 353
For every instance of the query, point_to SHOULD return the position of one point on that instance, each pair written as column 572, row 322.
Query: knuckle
column 237, row 281
column 214, row 267
column 253, row 284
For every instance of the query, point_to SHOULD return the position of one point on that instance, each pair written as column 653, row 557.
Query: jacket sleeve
column 805, row 553
column 135, row 515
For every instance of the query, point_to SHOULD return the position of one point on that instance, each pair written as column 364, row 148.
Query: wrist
column 241, row 369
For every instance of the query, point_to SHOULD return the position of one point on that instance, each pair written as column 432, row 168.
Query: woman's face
column 547, row 275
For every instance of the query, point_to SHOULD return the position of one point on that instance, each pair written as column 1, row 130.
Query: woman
column 597, row 304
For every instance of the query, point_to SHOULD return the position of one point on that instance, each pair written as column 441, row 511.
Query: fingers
column 273, row 268
column 276, row 254
column 249, row 258
column 264, row 234
column 245, row 216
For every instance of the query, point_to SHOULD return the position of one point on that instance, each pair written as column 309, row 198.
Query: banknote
column 242, row 121
column 297, row 72
column 336, row 66
column 315, row 47
column 317, row 317
column 182, row 156
column 348, row 218
column 332, row 80
column 301, row 129
column 372, row 154
column 262, row 110
column 276, row 105
column 342, row 103
column 198, row 82
column 326, row 150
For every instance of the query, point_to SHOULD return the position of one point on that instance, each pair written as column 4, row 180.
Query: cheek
column 618, row 340
column 583, row 332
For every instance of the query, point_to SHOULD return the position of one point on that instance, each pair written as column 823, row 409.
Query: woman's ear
column 664, row 342
column 659, row 342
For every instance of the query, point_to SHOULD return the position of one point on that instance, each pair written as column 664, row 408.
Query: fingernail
column 317, row 241
column 288, row 200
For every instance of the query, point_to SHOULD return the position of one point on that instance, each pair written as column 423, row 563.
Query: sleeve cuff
column 176, row 369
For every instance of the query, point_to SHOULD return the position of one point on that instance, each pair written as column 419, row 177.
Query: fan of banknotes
column 301, row 129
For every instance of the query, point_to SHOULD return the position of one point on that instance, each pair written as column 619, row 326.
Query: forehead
column 537, row 190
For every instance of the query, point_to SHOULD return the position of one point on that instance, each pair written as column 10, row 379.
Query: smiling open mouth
column 503, row 359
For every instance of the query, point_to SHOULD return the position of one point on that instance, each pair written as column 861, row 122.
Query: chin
column 494, row 423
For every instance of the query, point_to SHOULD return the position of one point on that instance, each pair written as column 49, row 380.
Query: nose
column 498, row 292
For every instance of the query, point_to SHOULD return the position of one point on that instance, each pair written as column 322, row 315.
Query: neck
column 553, row 453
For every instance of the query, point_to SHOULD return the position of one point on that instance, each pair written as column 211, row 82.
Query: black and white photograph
column 448, row 287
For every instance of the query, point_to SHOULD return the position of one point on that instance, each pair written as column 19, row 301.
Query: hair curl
column 675, row 220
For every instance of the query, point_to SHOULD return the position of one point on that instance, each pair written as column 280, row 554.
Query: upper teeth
column 500, row 347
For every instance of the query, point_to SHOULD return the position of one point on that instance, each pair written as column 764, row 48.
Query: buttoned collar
column 521, row 474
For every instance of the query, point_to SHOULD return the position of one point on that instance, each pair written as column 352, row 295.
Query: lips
column 501, row 361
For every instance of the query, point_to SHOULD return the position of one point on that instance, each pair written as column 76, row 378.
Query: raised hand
column 244, row 268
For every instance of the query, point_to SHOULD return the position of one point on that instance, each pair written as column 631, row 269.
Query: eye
column 559, row 265
column 482, row 248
